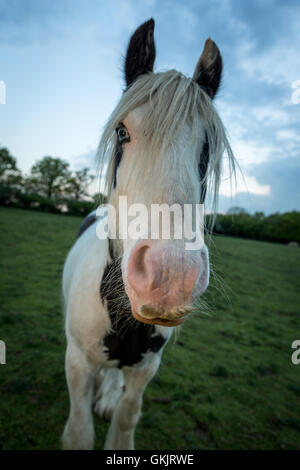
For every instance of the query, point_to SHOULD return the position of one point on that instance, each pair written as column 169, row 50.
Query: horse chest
column 128, row 341
column 129, row 344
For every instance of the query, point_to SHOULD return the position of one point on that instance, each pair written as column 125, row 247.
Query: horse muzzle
column 162, row 281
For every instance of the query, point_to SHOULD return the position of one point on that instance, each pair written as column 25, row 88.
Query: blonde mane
column 175, row 100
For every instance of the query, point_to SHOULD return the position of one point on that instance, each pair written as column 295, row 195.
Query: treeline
column 280, row 228
column 50, row 186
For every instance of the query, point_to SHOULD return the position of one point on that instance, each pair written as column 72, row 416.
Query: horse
column 124, row 296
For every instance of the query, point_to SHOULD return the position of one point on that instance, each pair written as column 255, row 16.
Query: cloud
column 243, row 183
column 87, row 159
column 69, row 54
column 282, row 176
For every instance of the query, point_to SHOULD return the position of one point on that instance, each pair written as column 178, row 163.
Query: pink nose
column 162, row 276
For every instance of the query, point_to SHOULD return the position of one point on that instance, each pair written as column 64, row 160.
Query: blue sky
column 61, row 61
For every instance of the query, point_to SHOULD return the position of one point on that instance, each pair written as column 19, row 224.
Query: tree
column 8, row 164
column 99, row 199
column 49, row 177
column 77, row 185
column 11, row 180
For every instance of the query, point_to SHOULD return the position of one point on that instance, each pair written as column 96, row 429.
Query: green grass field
column 226, row 383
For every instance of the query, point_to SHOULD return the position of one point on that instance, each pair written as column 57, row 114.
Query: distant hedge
column 12, row 197
column 280, row 228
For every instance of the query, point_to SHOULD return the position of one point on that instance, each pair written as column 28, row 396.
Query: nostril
column 137, row 269
column 139, row 261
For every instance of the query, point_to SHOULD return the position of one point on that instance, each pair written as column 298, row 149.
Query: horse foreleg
column 79, row 429
column 127, row 413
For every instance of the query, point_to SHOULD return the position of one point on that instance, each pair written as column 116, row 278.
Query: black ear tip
column 146, row 28
column 150, row 24
column 140, row 54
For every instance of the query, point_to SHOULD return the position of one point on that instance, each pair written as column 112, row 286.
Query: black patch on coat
column 119, row 151
column 140, row 54
column 111, row 248
column 203, row 164
column 118, row 158
column 128, row 339
column 87, row 222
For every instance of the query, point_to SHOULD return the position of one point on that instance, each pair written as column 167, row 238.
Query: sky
column 61, row 63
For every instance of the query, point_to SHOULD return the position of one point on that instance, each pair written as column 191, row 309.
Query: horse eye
column 122, row 133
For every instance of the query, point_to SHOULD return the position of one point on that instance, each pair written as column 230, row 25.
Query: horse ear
column 208, row 70
column 140, row 54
